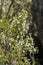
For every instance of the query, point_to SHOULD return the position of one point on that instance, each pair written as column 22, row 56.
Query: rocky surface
column 37, row 12
column 38, row 15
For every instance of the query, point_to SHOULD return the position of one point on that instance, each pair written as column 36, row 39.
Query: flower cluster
column 16, row 44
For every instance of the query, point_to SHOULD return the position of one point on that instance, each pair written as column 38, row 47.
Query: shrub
column 15, row 39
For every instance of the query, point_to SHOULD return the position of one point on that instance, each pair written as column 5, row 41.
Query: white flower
column 19, row 42
column 17, row 36
column 23, row 24
column 23, row 51
column 3, row 38
column 16, row 41
column 24, row 21
column 24, row 30
column 10, row 44
column 29, row 0
column 18, row 22
column 18, row 28
column 11, row 39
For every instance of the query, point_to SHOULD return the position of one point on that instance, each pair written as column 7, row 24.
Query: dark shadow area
column 38, row 56
column 38, row 20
